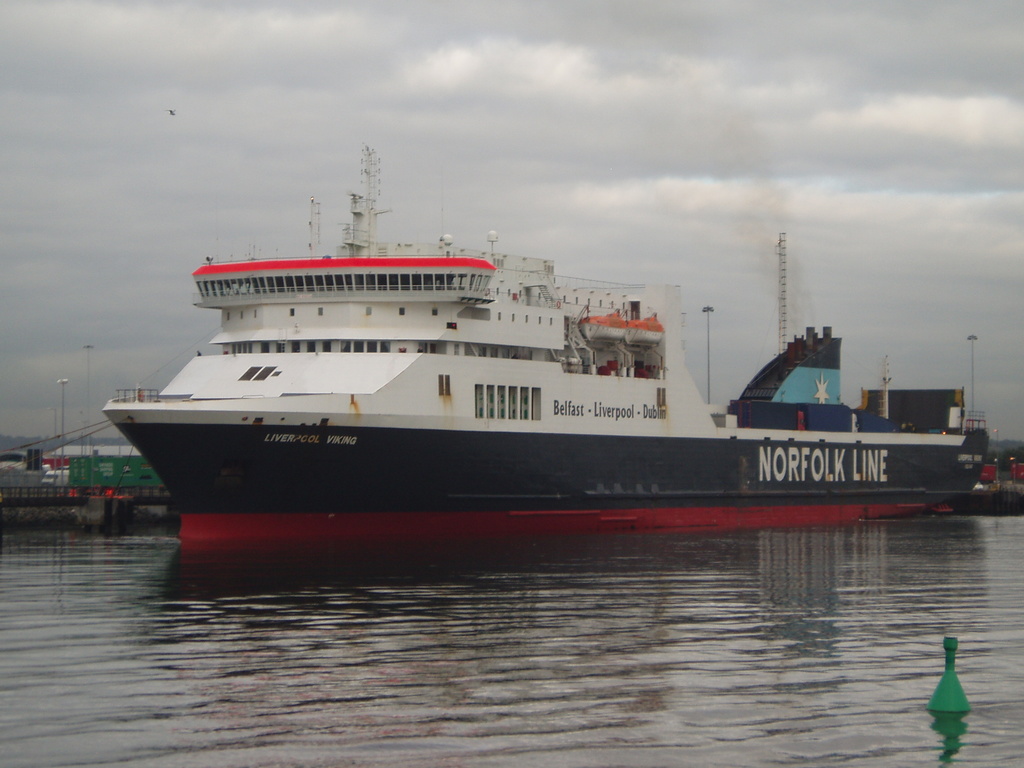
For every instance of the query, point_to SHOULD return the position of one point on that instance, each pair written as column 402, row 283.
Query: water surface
column 774, row 648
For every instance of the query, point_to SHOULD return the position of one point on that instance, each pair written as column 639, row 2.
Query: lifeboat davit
column 604, row 327
column 646, row 332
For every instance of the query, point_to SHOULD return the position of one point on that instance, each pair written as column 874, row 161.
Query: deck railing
column 137, row 395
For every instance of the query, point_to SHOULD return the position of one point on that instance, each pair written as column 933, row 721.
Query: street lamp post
column 88, row 379
column 972, row 338
column 707, row 313
column 63, row 384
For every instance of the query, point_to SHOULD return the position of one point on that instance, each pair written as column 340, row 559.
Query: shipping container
column 764, row 414
column 827, row 418
column 112, row 472
column 869, row 422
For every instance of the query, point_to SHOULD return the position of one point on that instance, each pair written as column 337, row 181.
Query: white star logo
column 822, row 394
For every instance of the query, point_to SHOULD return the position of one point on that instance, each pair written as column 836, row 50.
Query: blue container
column 827, row 418
column 869, row 422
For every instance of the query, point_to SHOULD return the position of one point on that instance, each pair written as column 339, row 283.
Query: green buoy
column 949, row 696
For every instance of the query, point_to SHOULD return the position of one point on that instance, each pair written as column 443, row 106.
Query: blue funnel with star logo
column 807, row 371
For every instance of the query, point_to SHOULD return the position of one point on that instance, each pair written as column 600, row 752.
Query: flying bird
column 171, row 111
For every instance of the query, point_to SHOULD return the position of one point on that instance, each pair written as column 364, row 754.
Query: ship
column 427, row 390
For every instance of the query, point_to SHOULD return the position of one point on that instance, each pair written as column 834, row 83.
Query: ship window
column 444, row 384
column 327, row 346
column 385, row 346
column 291, row 311
column 401, row 310
column 320, row 311
column 357, row 346
column 369, row 310
column 433, row 311
column 311, row 346
column 428, row 282
column 247, row 376
column 296, row 346
column 393, row 282
column 265, row 347
column 319, row 280
column 417, row 281
column 263, row 374
column 524, row 402
column 371, row 346
column 513, row 402
column 490, row 401
column 346, row 346
column 479, row 400
column 359, row 280
column 501, row 401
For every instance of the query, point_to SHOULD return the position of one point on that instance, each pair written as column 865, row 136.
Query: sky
column 648, row 141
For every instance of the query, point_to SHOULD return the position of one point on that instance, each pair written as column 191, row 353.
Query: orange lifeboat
column 646, row 332
column 604, row 327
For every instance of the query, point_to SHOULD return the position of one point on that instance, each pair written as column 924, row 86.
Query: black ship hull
column 251, row 481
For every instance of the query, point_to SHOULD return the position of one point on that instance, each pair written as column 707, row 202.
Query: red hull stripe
column 408, row 525
column 382, row 262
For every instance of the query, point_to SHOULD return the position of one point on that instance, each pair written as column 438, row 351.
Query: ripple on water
column 790, row 648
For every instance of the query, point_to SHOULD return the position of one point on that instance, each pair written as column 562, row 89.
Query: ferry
column 427, row 390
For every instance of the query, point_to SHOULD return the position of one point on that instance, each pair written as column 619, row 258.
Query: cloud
column 990, row 121
column 661, row 141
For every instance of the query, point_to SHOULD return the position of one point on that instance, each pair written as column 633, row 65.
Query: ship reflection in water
column 800, row 647
column 617, row 650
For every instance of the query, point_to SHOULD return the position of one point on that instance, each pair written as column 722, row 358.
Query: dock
column 106, row 510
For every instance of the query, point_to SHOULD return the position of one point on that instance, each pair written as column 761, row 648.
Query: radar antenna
column 361, row 234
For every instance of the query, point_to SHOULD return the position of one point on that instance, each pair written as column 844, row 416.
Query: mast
column 780, row 251
column 883, row 406
column 361, row 234
column 314, row 228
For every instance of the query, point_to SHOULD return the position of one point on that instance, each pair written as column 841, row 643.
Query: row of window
column 248, row 347
column 320, row 313
column 265, row 347
column 498, row 401
column 271, row 284
column 346, row 345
